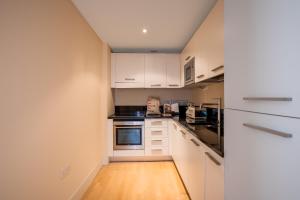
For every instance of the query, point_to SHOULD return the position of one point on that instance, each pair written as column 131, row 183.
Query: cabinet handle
column 217, row 68
column 213, row 159
column 156, row 123
column 175, row 127
column 200, row 76
column 173, row 85
column 268, row 130
column 158, row 140
column 156, row 85
column 196, row 143
column 187, row 58
column 267, row 98
column 182, row 132
column 129, row 79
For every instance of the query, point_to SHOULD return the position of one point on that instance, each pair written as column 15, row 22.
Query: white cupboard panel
column 172, row 70
column 128, row 70
column 155, row 71
column 262, row 46
column 260, row 165
column 214, row 176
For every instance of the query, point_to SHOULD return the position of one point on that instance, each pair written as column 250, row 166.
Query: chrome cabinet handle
column 156, row 85
column 213, row 159
column 267, row 98
column 195, row 143
column 268, row 130
column 200, row 76
column 173, row 85
column 175, row 127
column 217, row 68
column 129, row 79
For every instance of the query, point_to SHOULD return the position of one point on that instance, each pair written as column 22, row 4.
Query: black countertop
column 206, row 133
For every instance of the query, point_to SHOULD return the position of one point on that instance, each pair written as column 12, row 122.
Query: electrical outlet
column 65, row 171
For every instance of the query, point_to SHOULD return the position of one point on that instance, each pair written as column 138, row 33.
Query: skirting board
column 139, row 158
column 79, row 192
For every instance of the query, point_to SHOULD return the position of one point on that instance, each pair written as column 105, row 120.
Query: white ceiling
column 170, row 23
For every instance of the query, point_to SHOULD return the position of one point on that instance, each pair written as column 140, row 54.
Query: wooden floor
column 137, row 181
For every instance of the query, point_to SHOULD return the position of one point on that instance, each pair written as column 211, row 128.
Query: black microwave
column 189, row 72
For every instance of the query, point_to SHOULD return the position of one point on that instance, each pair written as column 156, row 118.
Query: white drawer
column 156, row 132
column 156, row 151
column 156, row 142
column 156, row 123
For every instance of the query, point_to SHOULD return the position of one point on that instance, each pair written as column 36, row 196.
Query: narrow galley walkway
column 137, row 181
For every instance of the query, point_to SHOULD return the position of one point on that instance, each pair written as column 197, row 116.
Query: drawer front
column 156, row 123
column 156, row 141
column 261, row 160
column 156, row 132
column 157, row 151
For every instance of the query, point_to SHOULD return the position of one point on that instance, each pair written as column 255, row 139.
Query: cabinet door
column 213, row 29
column 258, row 164
column 173, row 70
column 214, row 176
column 195, row 169
column 182, row 156
column 128, row 69
column 262, row 48
column 155, row 71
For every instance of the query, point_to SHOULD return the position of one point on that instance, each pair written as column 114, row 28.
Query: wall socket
column 65, row 171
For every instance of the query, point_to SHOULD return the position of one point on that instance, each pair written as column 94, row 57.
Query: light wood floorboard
column 137, row 181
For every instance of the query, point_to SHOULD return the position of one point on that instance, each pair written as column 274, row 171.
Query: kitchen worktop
column 206, row 132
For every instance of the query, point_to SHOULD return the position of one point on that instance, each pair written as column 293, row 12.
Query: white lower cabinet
column 214, row 176
column 197, row 165
column 195, row 169
column 261, row 161
column 156, row 137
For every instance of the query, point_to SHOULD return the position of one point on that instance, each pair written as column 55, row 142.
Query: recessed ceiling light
column 144, row 30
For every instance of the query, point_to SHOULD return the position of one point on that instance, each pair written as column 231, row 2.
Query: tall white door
column 261, row 161
column 262, row 48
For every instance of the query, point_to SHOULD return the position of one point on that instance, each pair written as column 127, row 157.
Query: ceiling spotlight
column 144, row 30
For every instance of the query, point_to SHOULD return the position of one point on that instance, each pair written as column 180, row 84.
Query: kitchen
column 123, row 100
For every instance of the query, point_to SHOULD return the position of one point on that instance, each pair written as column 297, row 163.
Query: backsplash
column 138, row 97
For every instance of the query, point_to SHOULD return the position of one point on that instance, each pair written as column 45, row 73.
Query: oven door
column 128, row 137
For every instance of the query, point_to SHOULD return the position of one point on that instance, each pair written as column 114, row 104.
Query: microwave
column 189, row 72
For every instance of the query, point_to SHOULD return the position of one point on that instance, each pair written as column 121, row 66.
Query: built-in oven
column 189, row 72
column 128, row 135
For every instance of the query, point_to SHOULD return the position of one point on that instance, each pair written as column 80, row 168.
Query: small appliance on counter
column 167, row 110
column 153, row 104
column 196, row 113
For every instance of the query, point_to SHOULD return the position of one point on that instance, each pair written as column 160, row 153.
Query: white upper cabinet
column 155, row 71
column 207, row 45
column 128, row 70
column 262, row 56
column 213, row 31
column 173, row 70
column 131, row 70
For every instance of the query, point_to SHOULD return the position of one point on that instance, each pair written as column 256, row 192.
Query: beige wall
column 206, row 95
column 54, row 97
column 139, row 96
